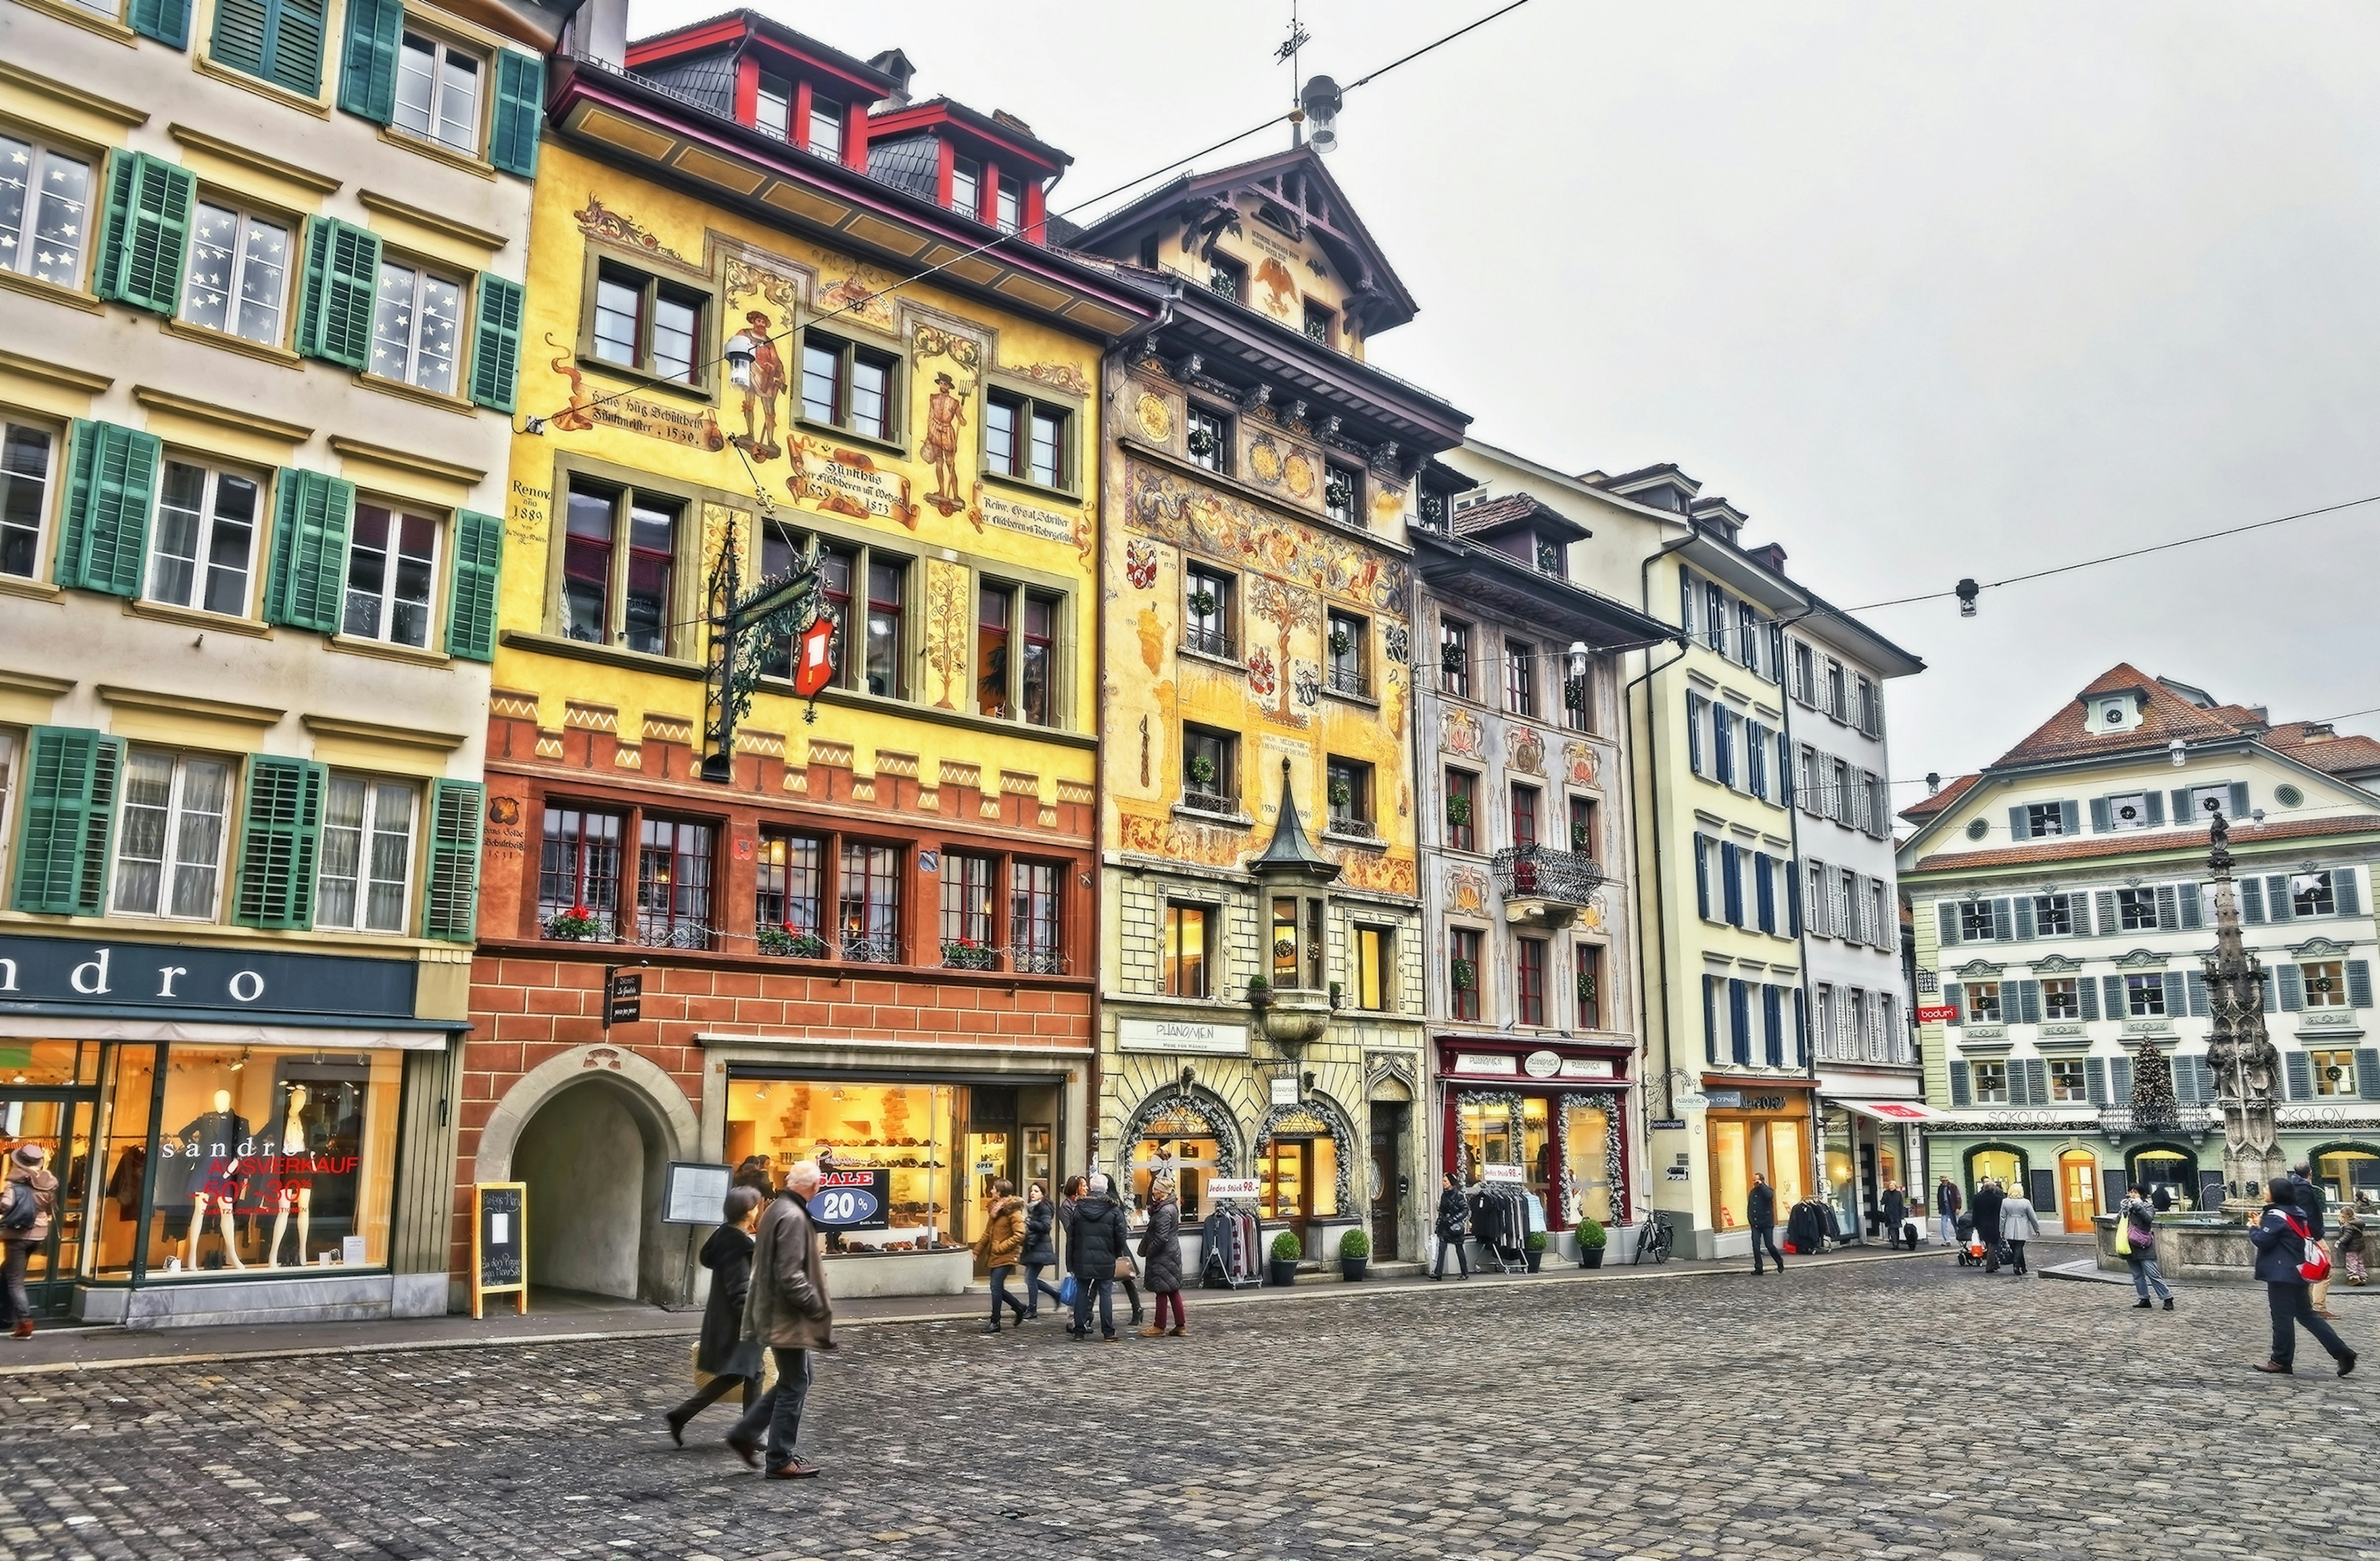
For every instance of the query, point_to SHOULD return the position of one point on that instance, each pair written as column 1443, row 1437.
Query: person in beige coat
column 786, row 1310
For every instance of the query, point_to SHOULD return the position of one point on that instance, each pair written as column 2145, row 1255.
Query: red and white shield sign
column 814, row 668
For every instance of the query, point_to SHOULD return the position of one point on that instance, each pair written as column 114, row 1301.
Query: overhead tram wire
column 537, row 424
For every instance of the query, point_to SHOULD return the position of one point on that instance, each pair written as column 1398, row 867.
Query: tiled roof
column 910, row 163
column 1919, row 812
column 2163, row 717
column 2332, row 755
column 2243, row 837
column 1472, row 519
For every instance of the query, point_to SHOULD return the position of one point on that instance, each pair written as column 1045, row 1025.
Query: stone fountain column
column 2245, row 1064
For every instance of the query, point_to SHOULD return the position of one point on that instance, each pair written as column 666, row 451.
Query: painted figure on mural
column 766, row 382
column 945, row 411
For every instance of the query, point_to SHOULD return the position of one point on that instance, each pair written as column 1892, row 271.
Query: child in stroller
column 1969, row 1257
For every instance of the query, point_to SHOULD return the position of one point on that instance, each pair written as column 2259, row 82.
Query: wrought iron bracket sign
column 748, row 631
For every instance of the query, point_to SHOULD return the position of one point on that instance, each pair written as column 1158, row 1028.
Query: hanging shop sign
column 1694, row 1100
column 623, row 995
column 498, row 1244
column 38, row 974
column 1182, row 1035
column 855, row 1199
column 1541, row 1065
column 694, row 1194
column 1283, row 1091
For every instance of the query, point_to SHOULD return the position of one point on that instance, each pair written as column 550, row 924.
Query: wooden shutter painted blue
column 2359, row 984
column 1963, row 1092
column 2193, row 906
column 1947, row 916
column 2099, row 819
column 471, row 611
column 279, row 839
column 2292, row 988
column 2094, row 1081
column 495, row 345
column 144, row 235
column 110, row 489
column 1739, row 1019
column 2347, row 891
column 2278, row 905
column 1710, row 1020
column 1730, row 884
column 2238, row 799
column 1792, row 872
column 2119, row 1078
column 2078, row 911
column 2025, row 926
column 168, row 21
column 2110, row 922
column 2252, row 901
column 2028, row 1002
column 2155, row 802
column 1801, row 1030
column 2367, row 1072
column 2036, row 1080
column 2195, row 981
column 1954, row 997
column 2114, row 986
column 368, row 63
column 520, row 113
column 2168, row 909
column 310, row 549
column 69, row 812
column 2070, row 818
column 2182, row 804
column 2087, row 990
column 2003, row 922
column 2301, row 1071
column 2019, row 828
column 1772, row 1016
column 2177, row 999
column 1702, row 876
column 450, row 909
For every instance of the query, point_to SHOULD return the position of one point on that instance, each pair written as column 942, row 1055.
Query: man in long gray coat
column 787, row 1311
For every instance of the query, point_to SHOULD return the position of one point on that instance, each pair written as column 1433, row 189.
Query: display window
column 1493, row 1134
column 47, row 1064
column 1183, row 1144
column 2350, row 1174
column 1297, row 1172
column 1590, row 1163
column 1775, row 1147
column 2004, row 1166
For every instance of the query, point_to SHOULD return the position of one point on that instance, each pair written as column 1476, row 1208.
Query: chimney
column 896, row 64
column 599, row 31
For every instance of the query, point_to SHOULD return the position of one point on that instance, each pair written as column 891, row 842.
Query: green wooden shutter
column 368, row 65
column 520, row 113
column 496, row 348
column 310, row 549
column 145, row 232
column 168, row 21
column 294, row 50
column 336, row 293
column 471, row 611
column 110, row 487
column 278, row 839
column 242, row 28
column 69, row 815
column 450, row 910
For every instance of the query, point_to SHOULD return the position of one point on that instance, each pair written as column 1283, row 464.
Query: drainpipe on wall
column 1653, row 794
column 1817, row 1155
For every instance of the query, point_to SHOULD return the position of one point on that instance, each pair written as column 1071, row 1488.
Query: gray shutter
column 2036, row 1080
column 2155, row 801
column 2028, row 994
column 2099, row 820
column 2078, row 912
column 2367, row 1072
column 2181, row 804
column 2017, row 831
column 2292, row 988
column 2070, row 818
column 2094, row 1079
column 2109, row 923
column 2239, row 800
column 2003, row 922
column 1946, row 913
column 2190, row 1078
column 2252, row 901
column 2119, row 1078
column 2277, row 902
column 2343, row 887
column 1953, row 999
column 2194, row 983
column 2272, row 994
column 2193, row 906
column 2359, row 984
column 2300, row 1076
column 2114, row 990
column 1962, row 1092
column 2088, row 990
column 2024, row 918
column 2168, row 909
column 2176, row 999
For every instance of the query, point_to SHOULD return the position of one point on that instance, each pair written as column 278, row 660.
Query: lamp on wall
column 739, row 351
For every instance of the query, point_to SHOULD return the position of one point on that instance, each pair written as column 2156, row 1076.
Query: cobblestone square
column 1871, row 1410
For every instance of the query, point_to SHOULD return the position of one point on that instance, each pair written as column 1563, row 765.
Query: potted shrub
column 1354, row 1255
column 1592, row 1238
column 1336, row 995
column 1259, row 992
column 1282, row 1267
column 1342, row 795
column 1536, row 1247
column 790, row 942
column 966, row 954
column 577, row 924
column 1458, row 812
column 1466, row 976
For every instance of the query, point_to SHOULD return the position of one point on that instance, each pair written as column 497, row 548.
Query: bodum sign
column 41, row 973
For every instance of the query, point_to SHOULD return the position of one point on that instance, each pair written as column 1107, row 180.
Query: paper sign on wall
column 1500, row 1173
column 1222, row 1188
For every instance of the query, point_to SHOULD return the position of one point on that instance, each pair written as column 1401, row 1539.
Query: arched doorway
column 2349, row 1173
column 2078, row 1190
column 2167, row 1172
column 2003, row 1163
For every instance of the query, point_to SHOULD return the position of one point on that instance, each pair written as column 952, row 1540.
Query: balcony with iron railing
column 1348, row 682
column 873, row 949
column 1546, row 884
column 2181, row 1117
column 1209, row 639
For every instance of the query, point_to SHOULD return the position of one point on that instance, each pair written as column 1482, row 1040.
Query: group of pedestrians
column 1100, row 1254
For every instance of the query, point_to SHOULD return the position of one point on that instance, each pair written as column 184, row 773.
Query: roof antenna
column 1287, row 52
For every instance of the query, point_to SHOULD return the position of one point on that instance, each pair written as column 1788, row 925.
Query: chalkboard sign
column 498, row 1244
column 854, row 1198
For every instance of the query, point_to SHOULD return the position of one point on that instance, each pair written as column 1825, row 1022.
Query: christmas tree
column 2153, row 1098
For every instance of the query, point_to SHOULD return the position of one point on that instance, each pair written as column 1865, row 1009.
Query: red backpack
column 2314, row 1266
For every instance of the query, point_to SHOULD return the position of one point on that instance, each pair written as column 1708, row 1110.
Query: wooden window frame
column 651, row 288
column 46, row 506
column 244, row 210
column 1021, row 594
column 259, row 535
column 678, row 639
column 483, row 114
column 1167, row 968
column 1200, row 417
column 1226, row 788
column 848, row 352
column 1466, row 1004
column 1532, row 962
column 1463, row 783
column 1357, row 818
column 227, row 833
column 1221, row 640
column 1025, row 407
column 1348, row 676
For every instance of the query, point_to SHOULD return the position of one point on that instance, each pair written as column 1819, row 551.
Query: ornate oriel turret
column 1293, row 878
column 2242, row 1057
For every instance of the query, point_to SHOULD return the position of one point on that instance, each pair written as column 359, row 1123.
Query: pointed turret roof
column 1290, row 853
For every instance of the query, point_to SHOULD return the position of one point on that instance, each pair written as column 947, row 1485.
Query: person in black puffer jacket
column 731, row 1359
column 1040, row 1249
column 2281, row 1234
column 1096, row 1237
column 1453, row 1226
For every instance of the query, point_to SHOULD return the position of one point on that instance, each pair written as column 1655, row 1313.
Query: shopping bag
column 2124, row 1238
column 1067, row 1291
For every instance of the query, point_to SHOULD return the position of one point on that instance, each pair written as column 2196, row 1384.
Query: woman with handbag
column 723, row 1352
column 1160, row 1256
column 2286, row 1248
column 1040, row 1249
column 2136, row 1240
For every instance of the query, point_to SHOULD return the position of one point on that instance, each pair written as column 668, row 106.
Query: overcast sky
column 1927, row 290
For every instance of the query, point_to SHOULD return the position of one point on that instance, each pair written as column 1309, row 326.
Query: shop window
column 1180, row 1143
column 44, row 211
column 28, row 454
column 1588, row 1191
column 1210, row 770
column 1029, row 439
column 1186, row 950
column 1529, row 980
column 1520, row 678
column 1032, row 918
column 1464, row 974
column 2326, row 983
column 2144, row 995
column 1210, row 439
column 391, row 571
column 239, row 274
column 1462, row 810
column 1347, row 668
column 578, row 869
column 1298, row 1174
column 1492, row 1133
column 1991, row 1084
column 202, row 552
column 1374, row 975
column 1983, row 1002
column 847, row 386
column 169, row 839
column 673, row 885
column 1773, row 1148
column 364, row 884
column 966, row 911
column 2061, row 999
column 925, row 1139
column 2065, row 1079
column 268, row 1159
column 619, row 567
column 1589, row 964
column 786, row 884
column 1454, row 658
column 2311, row 894
column 2349, row 1174
column 644, row 324
column 1349, row 782
column 1015, row 641
column 1207, row 616
column 416, row 316
column 438, row 89
column 1525, row 800
column 868, row 904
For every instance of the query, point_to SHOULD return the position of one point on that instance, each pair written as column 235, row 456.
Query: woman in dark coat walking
column 2281, row 1234
column 1040, row 1249
column 1161, row 1257
column 1454, row 1225
column 731, row 1359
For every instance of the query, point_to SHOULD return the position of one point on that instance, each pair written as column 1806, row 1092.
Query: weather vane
column 1287, row 54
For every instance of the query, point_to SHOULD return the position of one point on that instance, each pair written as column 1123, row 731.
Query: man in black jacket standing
column 1454, row 1225
column 1760, row 1213
column 1988, row 1198
column 1095, row 1239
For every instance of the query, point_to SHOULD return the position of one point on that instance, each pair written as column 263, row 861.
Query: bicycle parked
column 1653, row 1239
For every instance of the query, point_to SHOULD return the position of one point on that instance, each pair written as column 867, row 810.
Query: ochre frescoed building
column 872, row 942
column 1257, row 797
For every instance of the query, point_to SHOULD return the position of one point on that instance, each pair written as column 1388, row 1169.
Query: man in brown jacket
column 28, row 1200
column 786, row 1310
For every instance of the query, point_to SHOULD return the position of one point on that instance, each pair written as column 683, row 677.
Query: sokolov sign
column 41, row 973
column 1182, row 1035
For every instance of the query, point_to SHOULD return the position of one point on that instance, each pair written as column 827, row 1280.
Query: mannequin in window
column 212, row 1147
column 292, row 1159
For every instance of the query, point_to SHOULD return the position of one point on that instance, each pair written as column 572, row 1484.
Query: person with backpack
column 2138, row 1216
column 27, row 1201
column 2286, row 1248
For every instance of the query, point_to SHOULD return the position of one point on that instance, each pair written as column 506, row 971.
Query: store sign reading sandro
column 38, row 972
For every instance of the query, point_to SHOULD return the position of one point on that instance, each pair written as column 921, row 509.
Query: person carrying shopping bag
column 2137, row 1242
column 721, row 1352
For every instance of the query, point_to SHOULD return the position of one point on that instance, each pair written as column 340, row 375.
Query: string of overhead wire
column 1293, row 115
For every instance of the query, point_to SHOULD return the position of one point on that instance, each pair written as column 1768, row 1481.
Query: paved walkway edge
column 1323, row 1292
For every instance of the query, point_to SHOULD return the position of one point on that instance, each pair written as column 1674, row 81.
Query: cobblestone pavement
column 1907, row 1408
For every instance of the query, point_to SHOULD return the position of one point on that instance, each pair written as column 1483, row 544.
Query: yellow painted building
column 873, row 937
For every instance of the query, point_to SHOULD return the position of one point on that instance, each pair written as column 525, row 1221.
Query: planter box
column 853, row 1277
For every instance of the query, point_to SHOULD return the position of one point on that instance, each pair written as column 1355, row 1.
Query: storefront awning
column 1891, row 1110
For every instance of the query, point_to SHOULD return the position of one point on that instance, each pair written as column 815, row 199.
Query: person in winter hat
column 1161, row 1257
column 2281, row 1234
column 28, row 1201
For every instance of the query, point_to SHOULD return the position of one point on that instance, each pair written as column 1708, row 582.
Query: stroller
column 1971, row 1251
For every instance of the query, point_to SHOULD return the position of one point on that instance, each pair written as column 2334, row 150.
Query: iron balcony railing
column 1544, row 872
column 1210, row 802
column 2121, row 1121
column 1030, row 961
column 1209, row 640
column 1350, row 680
column 872, row 948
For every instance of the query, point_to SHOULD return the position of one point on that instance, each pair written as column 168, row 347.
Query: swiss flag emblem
column 814, row 669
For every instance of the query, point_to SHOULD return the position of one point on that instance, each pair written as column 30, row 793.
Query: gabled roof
column 1002, row 130
column 2313, row 744
column 1472, row 520
column 1370, row 278
column 2164, row 715
column 732, row 26
column 1941, row 801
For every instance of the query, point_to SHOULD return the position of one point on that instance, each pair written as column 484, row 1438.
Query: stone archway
column 591, row 1132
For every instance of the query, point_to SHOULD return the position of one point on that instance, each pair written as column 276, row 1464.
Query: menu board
column 498, row 1244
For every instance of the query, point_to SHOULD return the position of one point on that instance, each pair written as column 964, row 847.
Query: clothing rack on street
column 1807, row 1224
column 1228, row 1241
column 1499, row 1222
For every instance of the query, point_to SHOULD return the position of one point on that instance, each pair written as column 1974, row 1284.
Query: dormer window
column 1549, row 555
column 966, row 186
column 2112, row 713
column 1318, row 322
column 773, row 109
column 1008, row 205
column 826, row 129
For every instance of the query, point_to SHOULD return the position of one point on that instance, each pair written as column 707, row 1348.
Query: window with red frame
column 966, row 911
column 867, row 903
column 786, row 883
column 1524, row 814
column 1529, row 980
column 1464, row 975
column 1032, row 918
column 578, row 867
column 673, row 885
